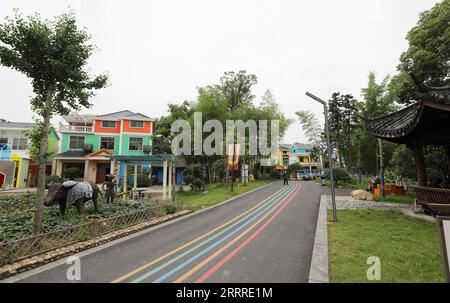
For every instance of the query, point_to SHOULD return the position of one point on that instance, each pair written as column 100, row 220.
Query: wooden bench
column 436, row 200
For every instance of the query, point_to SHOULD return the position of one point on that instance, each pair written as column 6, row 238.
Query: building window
column 3, row 142
column 19, row 143
column 109, row 124
column 137, row 124
column 135, row 143
column 107, row 142
column 76, row 142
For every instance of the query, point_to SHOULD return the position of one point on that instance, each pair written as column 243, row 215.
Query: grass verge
column 407, row 247
column 216, row 193
column 408, row 198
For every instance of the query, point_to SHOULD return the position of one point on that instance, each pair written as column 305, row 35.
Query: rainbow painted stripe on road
column 194, row 255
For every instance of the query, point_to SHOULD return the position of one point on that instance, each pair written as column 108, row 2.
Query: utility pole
column 327, row 131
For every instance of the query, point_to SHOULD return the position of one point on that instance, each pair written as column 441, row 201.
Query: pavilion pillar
column 86, row 170
column 419, row 158
column 135, row 179
column 447, row 155
column 169, row 190
column 125, row 183
column 164, row 180
column 174, row 180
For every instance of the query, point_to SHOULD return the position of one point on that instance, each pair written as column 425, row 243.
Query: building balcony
column 308, row 164
column 75, row 128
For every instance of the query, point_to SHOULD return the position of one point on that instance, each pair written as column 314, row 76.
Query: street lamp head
column 316, row 98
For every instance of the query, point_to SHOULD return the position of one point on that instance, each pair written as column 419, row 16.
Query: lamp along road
column 227, row 234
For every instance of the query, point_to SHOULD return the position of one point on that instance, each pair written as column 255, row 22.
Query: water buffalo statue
column 71, row 192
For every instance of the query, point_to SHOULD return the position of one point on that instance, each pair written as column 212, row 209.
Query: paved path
column 264, row 236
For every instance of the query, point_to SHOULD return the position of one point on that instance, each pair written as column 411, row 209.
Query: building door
column 103, row 169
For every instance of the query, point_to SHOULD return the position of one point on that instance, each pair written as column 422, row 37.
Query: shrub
column 275, row 175
column 189, row 180
column 52, row 179
column 339, row 174
column 170, row 209
column 198, row 185
column 72, row 173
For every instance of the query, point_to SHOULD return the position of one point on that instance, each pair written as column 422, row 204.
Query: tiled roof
column 428, row 118
column 116, row 115
column 397, row 124
column 18, row 125
column 72, row 154
column 302, row 145
column 124, row 114
column 285, row 146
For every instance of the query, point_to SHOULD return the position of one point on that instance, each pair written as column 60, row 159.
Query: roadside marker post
column 443, row 224
column 327, row 131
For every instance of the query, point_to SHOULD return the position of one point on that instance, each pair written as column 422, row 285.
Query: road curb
column 318, row 272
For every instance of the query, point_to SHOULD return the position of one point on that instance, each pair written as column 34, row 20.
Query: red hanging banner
column 230, row 153
column 237, row 149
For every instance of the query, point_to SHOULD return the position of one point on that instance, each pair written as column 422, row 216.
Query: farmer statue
column 111, row 188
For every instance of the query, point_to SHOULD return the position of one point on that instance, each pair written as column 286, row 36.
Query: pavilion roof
column 427, row 120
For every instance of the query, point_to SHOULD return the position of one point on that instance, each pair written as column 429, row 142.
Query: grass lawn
column 408, row 198
column 407, row 247
column 350, row 185
column 216, row 194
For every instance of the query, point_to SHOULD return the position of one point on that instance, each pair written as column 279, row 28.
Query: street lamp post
column 327, row 131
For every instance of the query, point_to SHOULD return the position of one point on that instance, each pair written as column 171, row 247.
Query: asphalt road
column 264, row 236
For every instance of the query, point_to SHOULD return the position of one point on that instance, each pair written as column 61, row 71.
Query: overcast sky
column 158, row 52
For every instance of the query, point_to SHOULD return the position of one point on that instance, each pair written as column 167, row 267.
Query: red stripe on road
column 243, row 244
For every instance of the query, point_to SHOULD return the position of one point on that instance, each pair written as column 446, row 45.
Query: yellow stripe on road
column 147, row 265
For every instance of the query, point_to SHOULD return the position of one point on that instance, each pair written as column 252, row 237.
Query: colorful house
column 301, row 153
column 13, row 152
column 282, row 157
column 88, row 140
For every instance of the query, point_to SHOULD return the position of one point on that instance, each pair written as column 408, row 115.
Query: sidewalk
column 318, row 272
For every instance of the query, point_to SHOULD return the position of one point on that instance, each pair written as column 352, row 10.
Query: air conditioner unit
column 147, row 148
column 88, row 148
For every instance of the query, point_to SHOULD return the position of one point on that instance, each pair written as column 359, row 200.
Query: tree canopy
column 54, row 55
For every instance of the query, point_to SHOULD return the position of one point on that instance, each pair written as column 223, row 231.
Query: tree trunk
column 40, row 196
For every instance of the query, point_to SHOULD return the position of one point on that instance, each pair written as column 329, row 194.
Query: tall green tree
column 376, row 104
column 54, row 55
column 312, row 128
column 162, row 130
column 344, row 118
column 427, row 57
column 231, row 99
column 313, row 131
column 237, row 88
column 35, row 139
